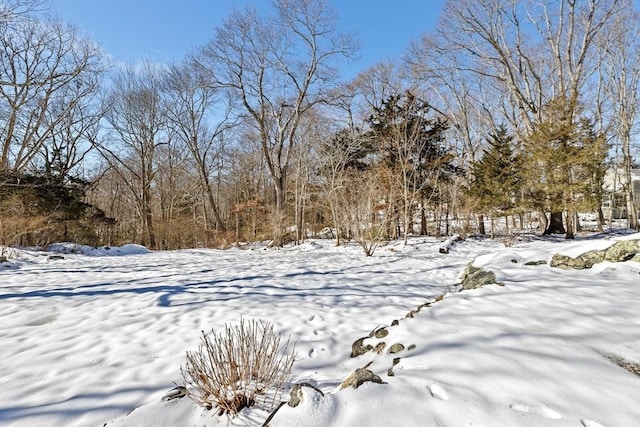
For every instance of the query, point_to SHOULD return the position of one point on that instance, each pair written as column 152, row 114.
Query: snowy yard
column 86, row 339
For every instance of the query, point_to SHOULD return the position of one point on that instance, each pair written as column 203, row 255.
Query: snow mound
column 73, row 248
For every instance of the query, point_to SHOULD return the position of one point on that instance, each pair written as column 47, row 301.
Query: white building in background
column 614, row 204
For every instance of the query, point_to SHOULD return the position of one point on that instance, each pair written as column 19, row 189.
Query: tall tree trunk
column 148, row 231
column 555, row 225
column 212, row 203
column 632, row 213
column 481, row 229
column 601, row 219
column 570, row 225
column 279, row 213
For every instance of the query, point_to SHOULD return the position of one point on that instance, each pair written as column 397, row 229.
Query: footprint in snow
column 438, row 392
column 590, row 423
column 543, row 411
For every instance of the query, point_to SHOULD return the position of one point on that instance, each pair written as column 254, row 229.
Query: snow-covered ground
column 99, row 336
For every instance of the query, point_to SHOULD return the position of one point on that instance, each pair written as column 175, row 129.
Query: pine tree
column 497, row 176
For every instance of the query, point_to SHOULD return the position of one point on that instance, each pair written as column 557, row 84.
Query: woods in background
column 507, row 109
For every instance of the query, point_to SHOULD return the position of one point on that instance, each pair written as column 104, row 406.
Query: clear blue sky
column 166, row 30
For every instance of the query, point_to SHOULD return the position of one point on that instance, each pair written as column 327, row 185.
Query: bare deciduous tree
column 137, row 123
column 200, row 117
column 48, row 73
column 279, row 67
column 622, row 70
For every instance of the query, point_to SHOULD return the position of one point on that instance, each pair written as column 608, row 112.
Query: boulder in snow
column 623, row 250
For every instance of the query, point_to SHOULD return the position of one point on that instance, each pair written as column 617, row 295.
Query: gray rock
column 381, row 333
column 621, row 251
column 358, row 348
column 297, row 394
column 475, row 277
column 379, row 347
column 359, row 377
column 396, row 348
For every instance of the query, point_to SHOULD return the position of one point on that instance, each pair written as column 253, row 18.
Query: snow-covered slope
column 84, row 340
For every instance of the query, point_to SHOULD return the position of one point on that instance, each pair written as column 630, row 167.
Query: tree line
column 508, row 108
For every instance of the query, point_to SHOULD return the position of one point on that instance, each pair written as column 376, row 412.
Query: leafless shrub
column 243, row 366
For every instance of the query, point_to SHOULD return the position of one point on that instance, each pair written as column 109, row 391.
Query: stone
column 381, row 333
column 475, row 277
column 379, row 347
column 390, row 372
column 358, row 348
column 359, row 377
column 539, row 262
column 296, row 397
column 620, row 251
column 395, row 322
column 396, row 348
column 623, row 250
column 297, row 394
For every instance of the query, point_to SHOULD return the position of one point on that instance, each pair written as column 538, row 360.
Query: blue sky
column 166, row 30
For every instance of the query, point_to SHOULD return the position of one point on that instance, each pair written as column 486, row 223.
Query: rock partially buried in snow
column 475, row 277
column 539, row 262
column 358, row 348
column 359, row 377
column 297, row 394
column 620, row 251
column 396, row 348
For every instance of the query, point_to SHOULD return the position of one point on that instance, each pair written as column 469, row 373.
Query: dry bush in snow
column 242, row 366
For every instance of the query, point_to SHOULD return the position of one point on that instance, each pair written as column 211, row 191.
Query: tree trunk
column 543, row 221
column 481, row 229
column 555, row 225
column 213, row 205
column 601, row 219
column 423, row 222
column 278, row 217
column 570, row 226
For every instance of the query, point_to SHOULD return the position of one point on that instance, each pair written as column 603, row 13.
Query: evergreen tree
column 411, row 153
column 565, row 163
column 497, row 177
column 37, row 209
